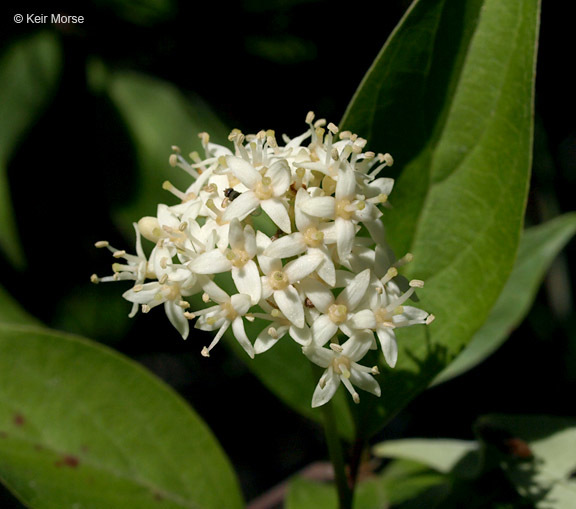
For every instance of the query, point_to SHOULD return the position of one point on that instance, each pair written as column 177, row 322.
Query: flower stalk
column 334, row 445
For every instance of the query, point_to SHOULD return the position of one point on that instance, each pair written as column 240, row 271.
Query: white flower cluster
column 323, row 272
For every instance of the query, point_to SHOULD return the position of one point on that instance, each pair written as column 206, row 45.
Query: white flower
column 228, row 311
column 342, row 366
column 327, row 271
column 390, row 313
column 135, row 269
column 278, row 281
column 339, row 313
column 265, row 189
column 277, row 328
column 310, row 239
column 168, row 290
column 345, row 208
column 238, row 260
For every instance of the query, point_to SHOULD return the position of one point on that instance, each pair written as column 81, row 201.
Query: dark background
column 264, row 64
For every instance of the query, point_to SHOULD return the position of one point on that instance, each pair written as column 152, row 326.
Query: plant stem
column 336, row 457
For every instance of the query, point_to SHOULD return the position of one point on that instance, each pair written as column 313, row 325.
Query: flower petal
column 241, row 207
column 176, row 316
column 241, row 337
column 298, row 269
column 346, row 185
column 363, row 319
column 318, row 293
column 321, row 206
column 245, row 172
column 143, row 294
column 241, row 303
column 388, row 343
column 365, row 381
column 247, row 280
column 264, row 342
column 323, row 330
column 236, row 234
column 211, row 262
column 287, row 246
column 381, row 185
column 277, row 211
column 345, row 232
column 355, row 290
column 302, row 335
column 289, row 303
column 323, row 394
column 322, row 357
column 279, row 172
column 357, row 346
column 301, row 219
column 326, row 270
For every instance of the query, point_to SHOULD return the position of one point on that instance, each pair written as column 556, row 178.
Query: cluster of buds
column 295, row 234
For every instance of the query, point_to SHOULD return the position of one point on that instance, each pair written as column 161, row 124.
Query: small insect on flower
column 230, row 194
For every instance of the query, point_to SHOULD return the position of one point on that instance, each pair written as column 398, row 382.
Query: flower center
column 238, row 257
column 341, row 366
column 384, row 317
column 170, row 291
column 338, row 313
column 229, row 312
column 313, row 237
column 344, row 209
column 278, row 280
column 263, row 189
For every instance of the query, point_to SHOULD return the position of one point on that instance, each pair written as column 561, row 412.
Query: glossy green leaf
column 451, row 98
column 306, row 493
column 538, row 248
column 159, row 116
column 442, row 455
column 400, row 482
column 81, row 426
column 413, row 484
column 29, row 71
column 546, row 476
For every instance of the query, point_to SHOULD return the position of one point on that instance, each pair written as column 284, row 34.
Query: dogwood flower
column 228, row 311
column 390, row 313
column 265, row 189
column 341, row 365
column 278, row 281
column 305, row 269
column 339, row 313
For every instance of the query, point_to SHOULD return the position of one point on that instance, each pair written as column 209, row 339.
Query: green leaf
column 545, row 478
column 538, row 248
column 444, row 455
column 29, row 71
column 159, row 116
column 81, row 426
column 451, row 97
column 413, row 484
column 306, row 493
